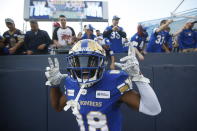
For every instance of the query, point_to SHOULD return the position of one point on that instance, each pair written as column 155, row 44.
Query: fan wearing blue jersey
column 105, row 43
column 157, row 38
column 167, row 41
column 140, row 39
column 106, row 46
column 89, row 32
column 115, row 34
column 186, row 39
column 195, row 33
column 94, row 94
column 1, row 45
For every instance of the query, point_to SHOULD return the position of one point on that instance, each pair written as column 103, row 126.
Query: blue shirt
column 195, row 34
column 156, row 41
column 99, row 105
column 141, row 40
column 115, row 38
column 186, row 39
column 168, row 41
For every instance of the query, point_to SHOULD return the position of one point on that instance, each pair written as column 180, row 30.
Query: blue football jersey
column 168, row 41
column 116, row 40
column 156, row 41
column 141, row 40
column 195, row 36
column 187, row 39
column 99, row 104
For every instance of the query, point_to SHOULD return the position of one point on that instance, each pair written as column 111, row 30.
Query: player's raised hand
column 131, row 66
column 130, row 63
column 53, row 74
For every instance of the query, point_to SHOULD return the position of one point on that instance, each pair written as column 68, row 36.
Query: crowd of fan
column 113, row 39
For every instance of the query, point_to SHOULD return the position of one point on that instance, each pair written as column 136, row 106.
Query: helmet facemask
column 86, row 68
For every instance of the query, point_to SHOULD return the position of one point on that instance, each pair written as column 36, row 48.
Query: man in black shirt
column 36, row 40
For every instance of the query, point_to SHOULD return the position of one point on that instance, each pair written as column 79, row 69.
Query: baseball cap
column 9, row 20
column 115, row 17
column 89, row 27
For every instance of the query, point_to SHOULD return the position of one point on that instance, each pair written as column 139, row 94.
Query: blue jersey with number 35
column 116, row 40
column 99, row 104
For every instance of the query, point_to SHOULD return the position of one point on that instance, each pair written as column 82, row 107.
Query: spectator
column 1, row 45
column 157, row 38
column 36, row 40
column 63, row 36
column 13, row 39
column 115, row 34
column 109, row 53
column 140, row 39
column 175, row 39
column 99, row 40
column 79, row 36
column 99, row 37
column 89, row 32
column 84, row 28
column 195, row 31
column 98, row 33
column 175, row 44
column 186, row 38
column 105, row 43
column 168, row 41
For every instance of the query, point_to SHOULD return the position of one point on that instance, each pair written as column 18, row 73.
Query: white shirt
column 64, row 36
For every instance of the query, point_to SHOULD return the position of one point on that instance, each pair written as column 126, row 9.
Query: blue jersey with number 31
column 99, row 104
column 156, row 41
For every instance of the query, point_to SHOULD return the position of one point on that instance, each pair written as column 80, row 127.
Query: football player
column 158, row 37
column 95, row 94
